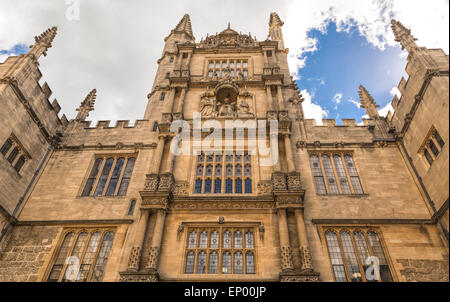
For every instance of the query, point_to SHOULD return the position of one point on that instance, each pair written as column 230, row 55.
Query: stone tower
column 224, row 179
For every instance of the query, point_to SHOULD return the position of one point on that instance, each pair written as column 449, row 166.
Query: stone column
column 286, row 255
column 154, row 249
column 180, row 106
column 269, row 98
column 280, row 97
column 157, row 157
column 305, row 254
column 170, row 159
column 275, row 152
column 289, row 157
column 135, row 255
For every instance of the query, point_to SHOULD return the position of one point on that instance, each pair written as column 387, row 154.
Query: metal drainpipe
column 55, row 140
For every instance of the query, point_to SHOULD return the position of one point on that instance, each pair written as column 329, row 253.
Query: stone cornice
column 367, row 221
column 118, row 146
column 74, row 222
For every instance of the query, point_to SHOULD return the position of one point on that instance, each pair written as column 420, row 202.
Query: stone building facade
column 115, row 203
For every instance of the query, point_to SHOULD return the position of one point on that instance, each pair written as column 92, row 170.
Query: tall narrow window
column 249, row 263
column 218, row 186
column 209, row 170
column 229, row 186
column 192, row 240
column 238, row 263
column 163, row 96
column 75, row 256
column 89, row 255
column 126, row 176
column 375, row 244
column 203, row 243
column 102, row 257
column 208, row 185
column 345, row 187
column 213, row 261
column 201, row 265
column 12, row 156
column 433, row 148
column 104, row 177
column 227, row 240
column 155, row 126
column 353, row 175
column 226, row 263
column 90, row 182
column 238, row 240
column 61, row 257
column 167, row 75
column 131, row 208
column 332, row 185
column 317, row 173
column 19, row 164
column 249, row 241
column 214, row 244
column 6, row 146
column 115, row 177
column 362, row 248
column 428, row 157
column 238, row 187
column 190, row 260
column 198, row 186
column 350, row 256
column 248, row 186
column 336, row 257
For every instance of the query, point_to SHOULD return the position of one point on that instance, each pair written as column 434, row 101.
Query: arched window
column 238, row 263
column 247, row 158
column 131, row 208
column 61, row 258
column 248, row 186
column 192, row 244
column 353, row 175
column 208, row 185
column 226, row 263
column 209, row 170
column 167, row 75
column 229, row 158
column 163, row 96
column 229, row 186
column 249, row 263
column 76, row 254
column 200, row 158
column 198, row 186
column 350, row 256
column 19, row 164
column 6, row 146
column 227, row 240
column 115, row 177
column 199, row 171
column 332, row 185
column 210, row 158
column 238, row 188
column 201, row 263
column 102, row 257
column 90, row 182
column 218, row 158
column 238, row 240
column 126, row 176
column 190, row 260
column 362, row 248
column 249, row 241
column 218, row 186
column 248, row 170
column 336, row 257
column 229, row 170
column 155, row 126
column 318, row 176
column 218, row 170
column 375, row 244
column 203, row 244
column 12, row 156
column 238, row 170
column 213, row 261
column 345, row 187
column 238, row 158
column 88, row 257
column 104, row 177
column 214, row 244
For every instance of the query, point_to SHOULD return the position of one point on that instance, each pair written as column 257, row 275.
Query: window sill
column 344, row 195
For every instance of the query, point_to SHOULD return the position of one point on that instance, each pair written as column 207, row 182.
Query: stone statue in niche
column 227, row 109
column 208, row 107
column 244, row 108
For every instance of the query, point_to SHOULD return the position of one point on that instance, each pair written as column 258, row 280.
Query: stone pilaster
column 286, row 253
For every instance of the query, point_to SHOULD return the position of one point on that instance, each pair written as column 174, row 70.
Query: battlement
column 333, row 123
column 119, row 124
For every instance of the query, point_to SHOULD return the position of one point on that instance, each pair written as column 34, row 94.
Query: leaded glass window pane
column 214, row 244
column 238, row 158
column 345, row 187
column 213, row 263
column 201, row 158
column 238, row 170
column 226, row 263
column 238, row 240
column 126, row 176
column 317, row 173
column 248, row 186
column 238, row 188
column 433, row 148
column 353, row 175
column 90, row 182
column 6, row 146
column 208, row 186
column 201, row 263
column 332, row 185
column 12, row 156
column 350, row 256
column 199, row 171
column 336, row 257
column 229, row 158
column 192, row 241
column 378, row 252
column 428, row 157
column 249, row 241
column 218, row 158
column 438, row 138
column 229, row 186
column 248, row 170
column 19, row 164
column 227, row 240
column 209, row 158
column 88, row 257
column 115, row 177
column 249, row 263
column 102, row 257
column 76, row 254
column 361, row 246
column 218, row 170
column 61, row 258
column 203, row 244
column 190, row 260
column 218, row 186
column 209, row 170
column 247, row 158
column 238, row 263
column 198, row 186
column 229, row 170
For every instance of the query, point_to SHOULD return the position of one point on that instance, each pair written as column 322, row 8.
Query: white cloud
column 395, row 92
column 384, row 111
column 337, row 98
column 356, row 103
column 312, row 110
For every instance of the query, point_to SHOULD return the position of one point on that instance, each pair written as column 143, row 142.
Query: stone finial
column 275, row 20
column 403, row 35
column 368, row 103
column 86, row 106
column 185, row 26
column 43, row 42
column 275, row 32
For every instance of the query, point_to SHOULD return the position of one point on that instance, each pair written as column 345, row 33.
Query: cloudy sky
column 113, row 46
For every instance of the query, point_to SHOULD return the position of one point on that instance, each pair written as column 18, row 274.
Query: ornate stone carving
column 286, row 258
column 301, row 145
column 279, row 181
column 152, row 257
column 305, row 257
column 151, row 182
column 221, row 220
column 299, row 277
column 166, row 182
column 133, row 261
column 262, row 231
column 271, row 115
column 220, row 205
column 228, row 38
column 181, row 188
column 150, row 276
column 264, row 188
column 180, row 230
column 294, row 181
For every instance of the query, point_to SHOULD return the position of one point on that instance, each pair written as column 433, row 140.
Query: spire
column 275, row 20
column 185, row 26
column 403, row 35
column 86, row 106
column 43, row 42
column 368, row 103
column 275, row 32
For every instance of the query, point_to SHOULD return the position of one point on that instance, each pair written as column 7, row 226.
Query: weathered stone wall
column 26, row 252
column 423, row 270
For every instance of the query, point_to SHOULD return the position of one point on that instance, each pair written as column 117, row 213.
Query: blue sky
column 344, row 60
